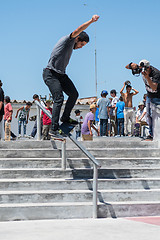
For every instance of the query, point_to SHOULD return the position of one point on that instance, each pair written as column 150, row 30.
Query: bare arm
column 135, row 91
column 137, row 119
column 1, row 104
column 133, row 66
column 84, row 26
column 10, row 115
column 18, row 111
column 89, row 126
column 153, row 85
column 143, row 114
column 121, row 92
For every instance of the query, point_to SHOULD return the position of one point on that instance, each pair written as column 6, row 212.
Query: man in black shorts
column 56, row 79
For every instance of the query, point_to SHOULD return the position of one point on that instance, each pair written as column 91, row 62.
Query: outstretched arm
column 84, row 26
column 18, row 111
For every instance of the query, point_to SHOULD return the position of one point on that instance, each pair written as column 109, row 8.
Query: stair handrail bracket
column 96, row 164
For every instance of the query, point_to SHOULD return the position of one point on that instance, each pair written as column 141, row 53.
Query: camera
column 136, row 72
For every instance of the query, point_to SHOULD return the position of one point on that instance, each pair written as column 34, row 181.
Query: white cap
column 145, row 62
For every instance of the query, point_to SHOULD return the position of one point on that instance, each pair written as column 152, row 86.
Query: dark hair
column 35, row 96
column 1, row 83
column 103, row 94
column 28, row 103
column 144, row 96
column 128, row 86
column 120, row 98
column 83, row 36
column 113, row 91
column 7, row 99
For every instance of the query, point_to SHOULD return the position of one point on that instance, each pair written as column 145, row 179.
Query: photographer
column 151, row 78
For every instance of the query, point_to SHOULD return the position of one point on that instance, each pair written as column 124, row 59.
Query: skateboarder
column 56, row 79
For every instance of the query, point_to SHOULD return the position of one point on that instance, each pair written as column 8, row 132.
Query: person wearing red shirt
column 8, row 111
column 47, row 122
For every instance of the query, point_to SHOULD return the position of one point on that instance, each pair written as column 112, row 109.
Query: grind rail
column 96, row 164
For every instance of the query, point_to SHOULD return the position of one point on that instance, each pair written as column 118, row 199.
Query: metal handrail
column 96, row 164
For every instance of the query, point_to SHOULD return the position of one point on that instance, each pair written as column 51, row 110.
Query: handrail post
column 38, row 124
column 95, row 190
column 64, row 154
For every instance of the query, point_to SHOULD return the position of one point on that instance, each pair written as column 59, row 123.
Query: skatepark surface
column 142, row 228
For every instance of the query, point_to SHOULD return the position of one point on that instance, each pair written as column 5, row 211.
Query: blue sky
column 126, row 31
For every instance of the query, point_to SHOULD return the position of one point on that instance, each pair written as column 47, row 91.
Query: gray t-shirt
column 61, row 54
column 103, row 103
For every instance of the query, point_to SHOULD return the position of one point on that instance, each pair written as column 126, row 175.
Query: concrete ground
column 146, row 228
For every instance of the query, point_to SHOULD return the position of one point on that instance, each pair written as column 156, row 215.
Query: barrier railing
column 96, row 164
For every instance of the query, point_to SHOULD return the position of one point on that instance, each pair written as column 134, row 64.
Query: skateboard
column 7, row 131
column 66, row 129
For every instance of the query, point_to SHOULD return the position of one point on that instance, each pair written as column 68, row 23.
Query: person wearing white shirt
column 141, row 117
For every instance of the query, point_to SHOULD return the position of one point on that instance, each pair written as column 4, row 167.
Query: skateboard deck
column 7, row 131
column 66, row 129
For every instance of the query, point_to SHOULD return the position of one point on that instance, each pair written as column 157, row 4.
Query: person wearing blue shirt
column 120, row 116
column 103, row 105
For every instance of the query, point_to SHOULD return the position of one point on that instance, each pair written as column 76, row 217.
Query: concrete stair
column 33, row 185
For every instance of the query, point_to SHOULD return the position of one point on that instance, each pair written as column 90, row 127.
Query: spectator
column 103, row 104
column 23, row 118
column 47, row 122
column 112, row 111
column 129, row 113
column 88, row 124
column 8, row 111
column 79, row 119
column 120, row 116
column 1, row 107
column 141, row 118
column 34, row 130
column 144, row 99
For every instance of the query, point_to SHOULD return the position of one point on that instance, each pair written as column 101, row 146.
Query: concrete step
column 28, row 144
column 31, row 211
column 81, row 184
column 79, row 162
column 79, row 173
column 129, row 209
column 73, row 153
column 96, row 143
column 56, row 196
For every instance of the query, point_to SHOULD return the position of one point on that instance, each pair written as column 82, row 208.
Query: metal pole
column 38, row 124
column 63, row 154
column 95, row 190
column 95, row 62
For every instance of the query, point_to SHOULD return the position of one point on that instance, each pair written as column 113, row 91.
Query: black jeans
column 103, row 127
column 120, row 122
column 57, row 84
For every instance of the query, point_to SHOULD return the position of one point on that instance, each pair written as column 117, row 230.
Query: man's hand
column 146, row 73
column 84, row 26
column 91, row 133
column 133, row 66
column 95, row 18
